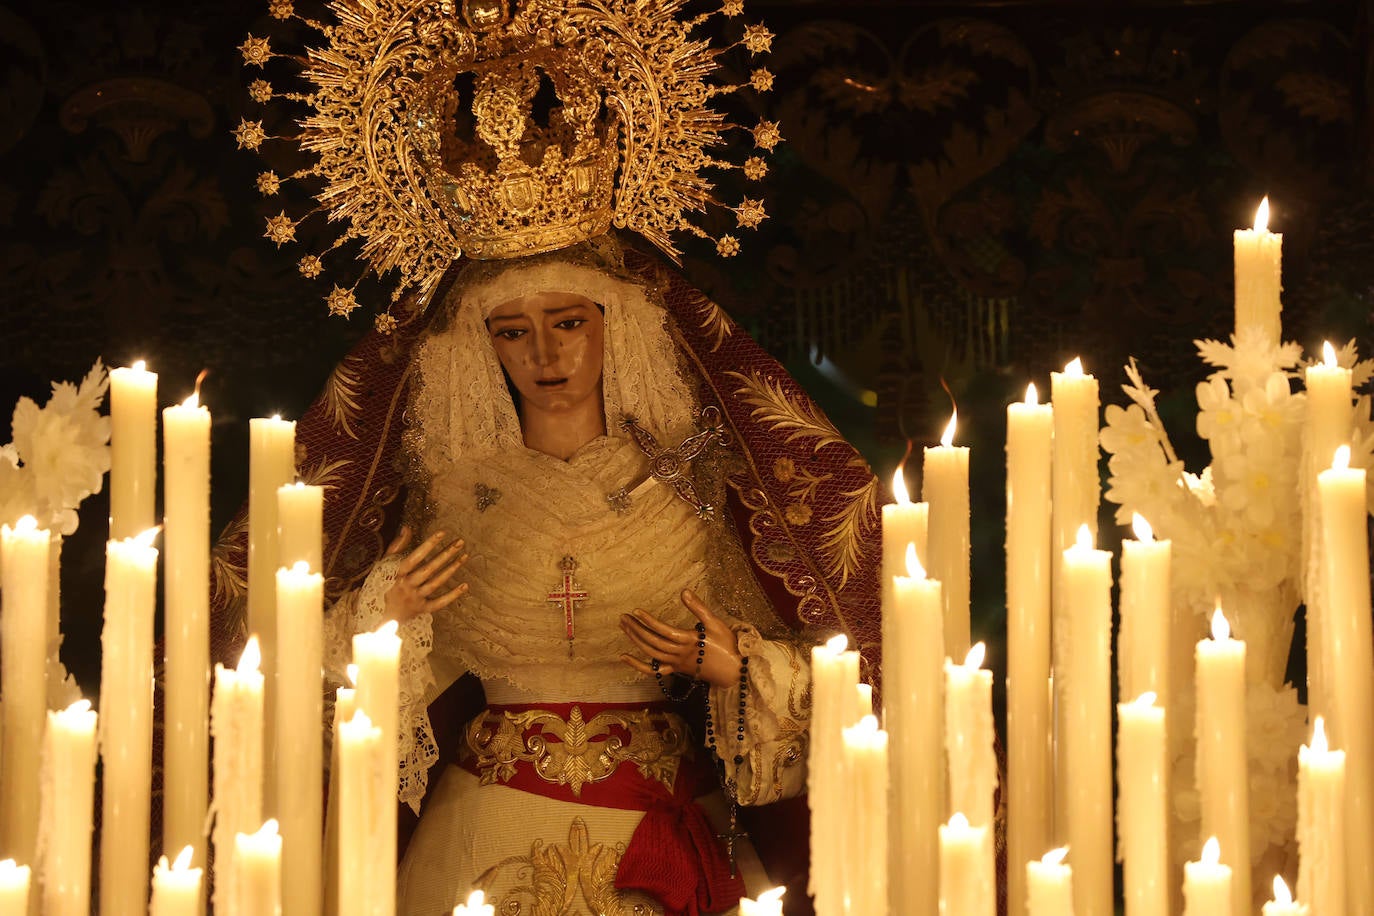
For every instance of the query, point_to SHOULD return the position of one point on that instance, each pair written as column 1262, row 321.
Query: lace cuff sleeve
column 363, row 610
column 777, row 715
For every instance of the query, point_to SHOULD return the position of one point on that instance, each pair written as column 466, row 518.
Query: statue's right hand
column 422, row 573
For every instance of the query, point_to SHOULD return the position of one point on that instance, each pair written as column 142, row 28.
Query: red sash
column 673, row 854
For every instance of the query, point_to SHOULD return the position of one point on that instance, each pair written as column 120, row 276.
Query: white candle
column 1321, row 824
column 1143, row 647
column 257, row 863
column 1283, row 903
column 14, row 888
column 914, row 714
column 1207, row 887
column 186, row 640
column 769, row 903
column 1223, row 780
column 968, row 880
column 865, row 825
column 176, row 886
column 236, row 713
column 360, row 751
column 945, row 489
column 972, row 759
column 300, row 712
column 133, row 450
column 23, row 680
column 1086, row 690
column 863, row 701
column 300, row 520
column 1259, row 260
column 68, row 806
column 834, row 674
column 1075, row 491
column 377, row 656
column 1350, row 651
column 477, row 906
column 126, row 722
column 1030, row 784
column 1143, row 809
column 1326, row 426
column 1049, row 885
column 271, row 465
column 345, row 704
column 904, row 522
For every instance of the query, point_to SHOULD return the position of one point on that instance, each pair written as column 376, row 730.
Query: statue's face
column 551, row 346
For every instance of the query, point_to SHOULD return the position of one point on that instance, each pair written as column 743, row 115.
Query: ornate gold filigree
column 432, row 137
column 782, row 414
column 580, row 751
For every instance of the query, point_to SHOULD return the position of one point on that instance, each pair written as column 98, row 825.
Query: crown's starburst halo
column 629, row 143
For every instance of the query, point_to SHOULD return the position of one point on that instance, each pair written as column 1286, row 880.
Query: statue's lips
column 550, row 382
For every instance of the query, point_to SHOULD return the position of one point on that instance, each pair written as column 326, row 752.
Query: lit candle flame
column 1055, row 856
column 1329, row 355
column 1319, row 744
column 183, row 859
column 193, row 400
column 300, row 568
column 276, row 418
column 1084, row 541
column 958, row 821
column 1145, row 700
column 78, row 708
column 948, row 438
column 1074, row 367
column 1032, row 396
column 352, row 672
column 268, row 829
column 1281, row 893
column 146, row 538
column 914, row 569
column 1262, row 215
column 771, row 895
column 476, row 899
column 390, row 628
column 868, row 725
column 1143, row 532
column 26, row 525
column 1341, row 460
column 140, row 365
column 251, row 657
column 1221, row 627
column 837, row 644
column 359, row 721
column 300, row 485
column 1211, row 852
column 899, row 487
column 975, row 656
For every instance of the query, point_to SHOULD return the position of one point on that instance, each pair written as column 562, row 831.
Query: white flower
column 1126, row 429
column 64, row 445
column 1218, row 418
column 1271, row 410
column 16, row 488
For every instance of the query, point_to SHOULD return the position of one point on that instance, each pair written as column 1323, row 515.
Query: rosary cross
column 568, row 595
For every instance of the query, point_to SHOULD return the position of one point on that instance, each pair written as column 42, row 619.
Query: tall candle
column 68, row 808
column 1076, row 492
column 834, row 674
column 904, row 522
column 1283, row 903
column 300, row 519
column 1321, row 824
column 1350, row 651
column 236, row 713
column 1259, row 260
column 1030, row 783
column 300, row 711
column 1086, row 689
column 865, row 828
column 477, row 906
column 23, row 681
column 271, row 465
column 968, row 880
column 377, row 656
column 257, row 862
column 126, row 723
column 914, row 715
column 186, row 634
column 969, row 737
column 1143, row 809
column 345, row 704
column 1143, row 647
column 1049, row 885
column 1223, row 780
column 946, row 492
column 133, row 450
column 14, row 888
column 769, row 903
column 177, row 886
column 360, row 751
column 1207, row 889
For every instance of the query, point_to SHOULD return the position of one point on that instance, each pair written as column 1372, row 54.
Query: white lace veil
column 461, row 406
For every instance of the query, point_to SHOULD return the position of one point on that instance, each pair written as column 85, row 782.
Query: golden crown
column 501, row 128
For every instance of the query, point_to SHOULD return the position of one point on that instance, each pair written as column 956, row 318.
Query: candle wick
column 200, row 378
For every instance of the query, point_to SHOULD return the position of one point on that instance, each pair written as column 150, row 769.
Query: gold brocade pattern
column 573, row 752
column 552, row 878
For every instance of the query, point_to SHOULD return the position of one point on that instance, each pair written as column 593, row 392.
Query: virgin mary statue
column 606, row 521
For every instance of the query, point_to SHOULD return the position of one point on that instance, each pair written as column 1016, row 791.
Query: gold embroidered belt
column 574, row 745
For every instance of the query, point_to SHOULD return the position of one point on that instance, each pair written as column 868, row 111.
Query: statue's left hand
column 676, row 649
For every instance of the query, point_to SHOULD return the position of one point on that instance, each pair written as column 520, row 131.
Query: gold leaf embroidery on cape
column 714, row 321
column 229, row 579
column 341, row 397
column 843, row 544
column 325, row 473
column 773, row 406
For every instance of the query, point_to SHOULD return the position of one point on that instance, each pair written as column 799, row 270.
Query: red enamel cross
column 568, row 595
